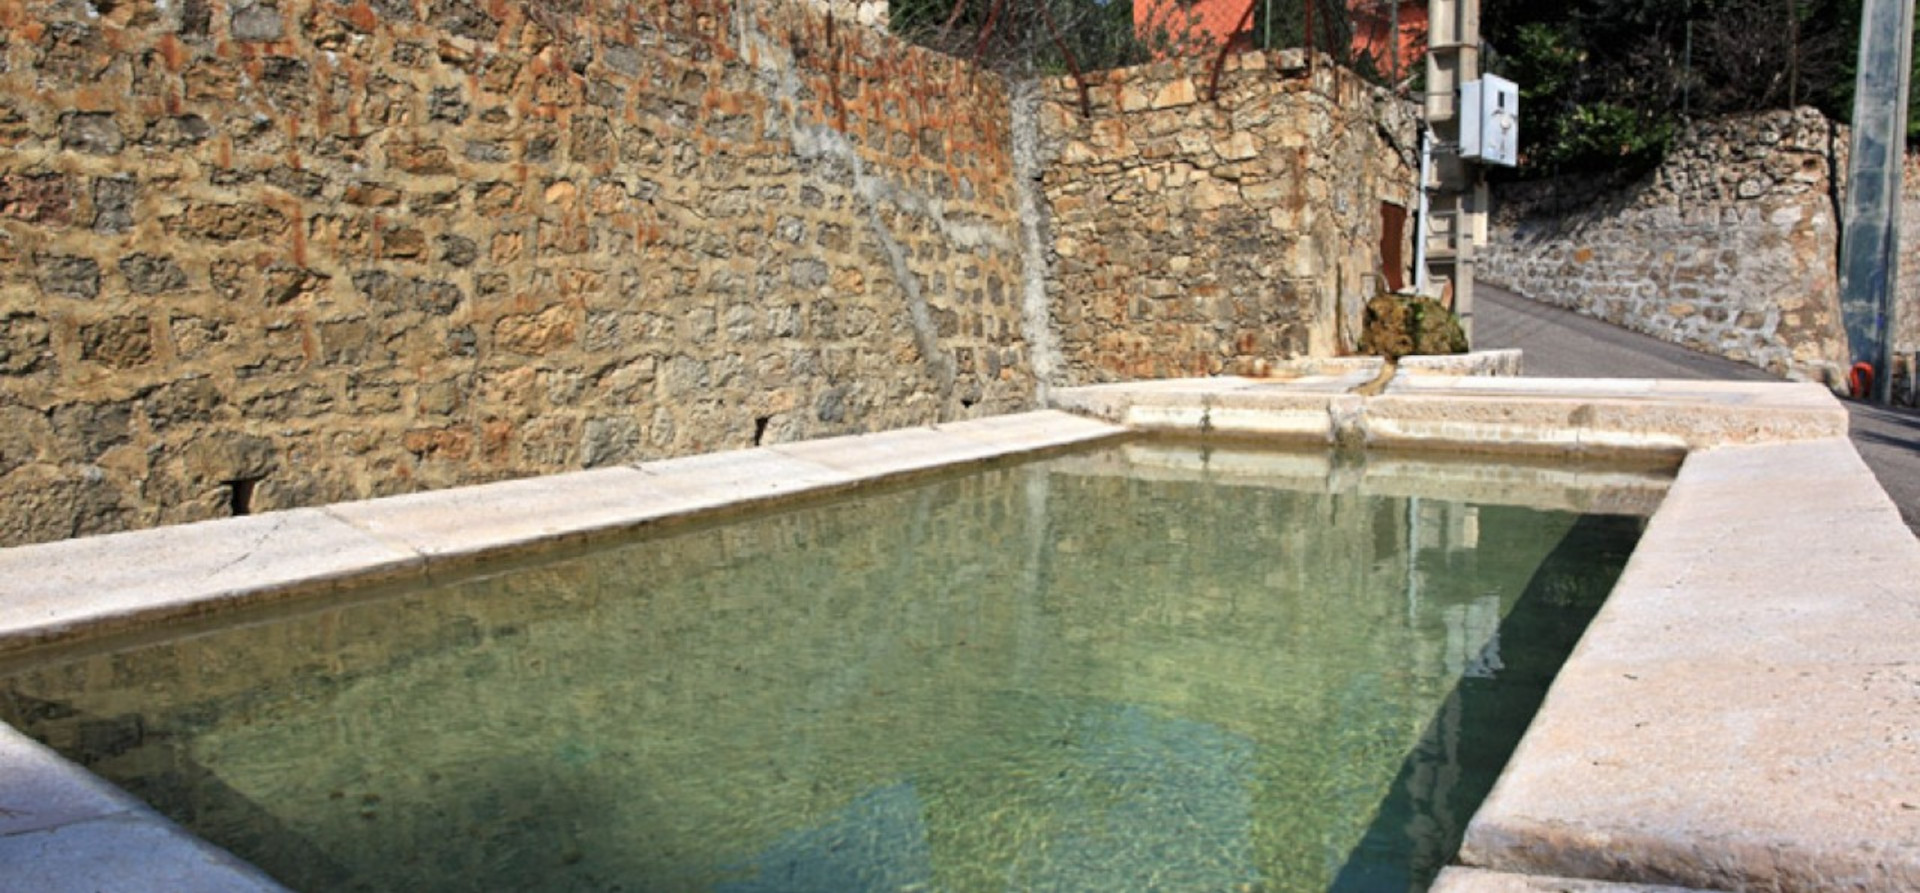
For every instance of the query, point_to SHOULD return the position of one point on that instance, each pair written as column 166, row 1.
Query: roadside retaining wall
column 1729, row 247
column 1906, row 311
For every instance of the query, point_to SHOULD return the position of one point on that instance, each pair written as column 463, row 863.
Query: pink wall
column 1195, row 26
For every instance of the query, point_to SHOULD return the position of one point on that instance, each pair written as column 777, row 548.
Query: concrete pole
column 1457, row 192
column 1869, row 252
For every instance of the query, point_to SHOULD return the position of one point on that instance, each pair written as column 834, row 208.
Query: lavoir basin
column 1142, row 667
column 649, row 689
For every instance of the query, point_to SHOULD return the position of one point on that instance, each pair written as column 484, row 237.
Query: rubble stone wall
column 1192, row 237
column 1729, row 247
column 1906, row 310
column 259, row 254
column 279, row 253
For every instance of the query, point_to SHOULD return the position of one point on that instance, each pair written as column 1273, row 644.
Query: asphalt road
column 1562, row 344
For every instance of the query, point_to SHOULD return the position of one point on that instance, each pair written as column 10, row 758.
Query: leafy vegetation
column 1054, row 36
column 1605, row 84
column 1027, row 36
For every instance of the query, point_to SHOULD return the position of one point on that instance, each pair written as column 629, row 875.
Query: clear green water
column 1041, row 677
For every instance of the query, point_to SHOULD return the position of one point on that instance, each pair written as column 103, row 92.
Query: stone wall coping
column 1679, row 745
column 1549, row 485
column 1479, row 414
column 1740, row 714
column 63, row 829
column 65, row 589
column 1477, row 880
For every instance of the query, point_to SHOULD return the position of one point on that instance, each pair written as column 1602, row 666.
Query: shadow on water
column 522, row 826
column 169, row 781
column 1418, row 828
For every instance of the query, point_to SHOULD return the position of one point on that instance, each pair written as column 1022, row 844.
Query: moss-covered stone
column 1398, row 326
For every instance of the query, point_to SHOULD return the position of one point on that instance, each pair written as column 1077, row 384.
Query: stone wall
column 1906, row 310
column 1192, row 237
column 1729, row 247
column 260, row 255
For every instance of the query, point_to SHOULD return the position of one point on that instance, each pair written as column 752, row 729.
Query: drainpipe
column 1459, row 193
column 1420, row 220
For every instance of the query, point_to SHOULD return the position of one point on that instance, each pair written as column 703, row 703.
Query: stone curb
column 62, row 829
column 1623, row 490
column 1682, row 804
column 1474, row 880
column 1741, row 713
column 1476, row 414
column 191, row 569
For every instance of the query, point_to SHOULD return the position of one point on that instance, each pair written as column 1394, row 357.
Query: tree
column 1026, row 36
column 1606, row 83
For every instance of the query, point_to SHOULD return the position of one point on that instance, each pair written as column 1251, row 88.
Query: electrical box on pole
column 1490, row 121
column 1453, row 206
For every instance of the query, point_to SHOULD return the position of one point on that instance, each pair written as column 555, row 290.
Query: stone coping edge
column 1612, row 488
column 1476, row 880
column 63, row 829
column 181, row 571
column 61, row 590
column 1474, row 414
column 1740, row 713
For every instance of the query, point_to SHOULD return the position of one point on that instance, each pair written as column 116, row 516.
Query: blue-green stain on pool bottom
column 1041, row 677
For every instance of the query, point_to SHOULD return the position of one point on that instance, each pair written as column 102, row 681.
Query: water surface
column 1049, row 676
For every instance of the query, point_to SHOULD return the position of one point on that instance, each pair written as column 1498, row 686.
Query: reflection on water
column 1050, row 676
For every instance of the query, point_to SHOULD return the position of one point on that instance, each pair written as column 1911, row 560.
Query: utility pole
column 1456, row 190
column 1869, row 244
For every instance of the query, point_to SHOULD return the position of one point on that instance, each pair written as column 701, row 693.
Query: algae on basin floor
column 1046, row 676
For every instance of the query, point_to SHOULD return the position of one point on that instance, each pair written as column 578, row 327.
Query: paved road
column 1563, row 344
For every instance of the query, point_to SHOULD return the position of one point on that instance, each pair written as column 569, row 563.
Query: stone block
column 1457, row 879
column 391, row 293
column 537, row 333
column 43, row 199
column 283, row 285
column 229, row 222
column 1026, row 432
column 890, row 453
column 1176, row 93
column 734, row 477
column 403, row 243
column 425, row 159
column 366, row 194
column 215, row 457
column 607, row 440
column 148, row 274
column 95, row 133
column 257, row 22
column 68, row 276
column 512, row 515
column 439, row 444
column 212, row 563
column 103, row 853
